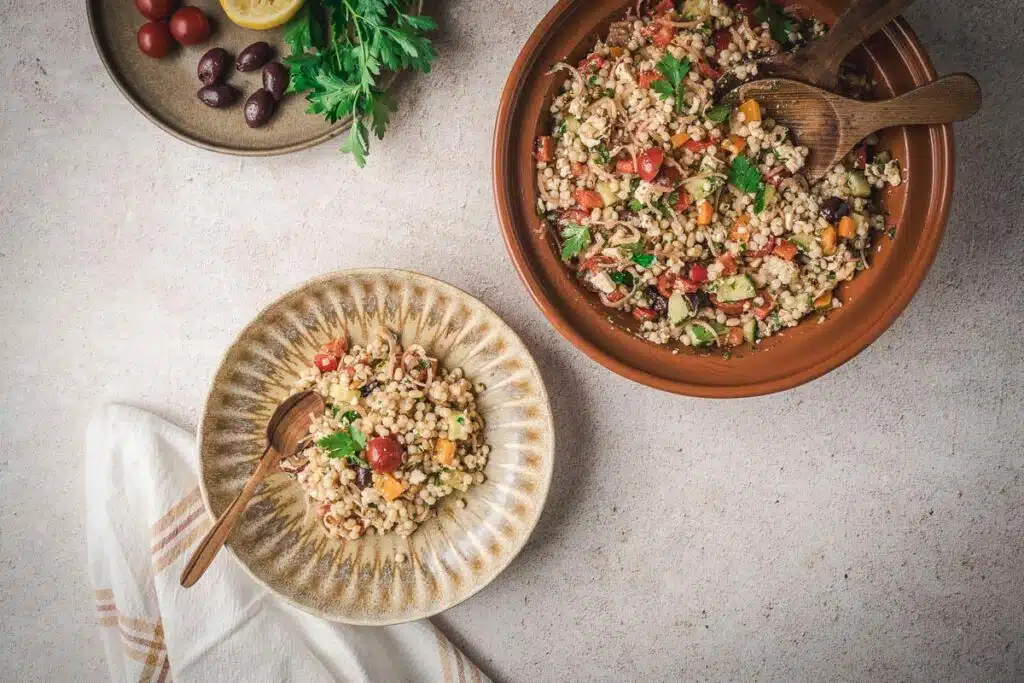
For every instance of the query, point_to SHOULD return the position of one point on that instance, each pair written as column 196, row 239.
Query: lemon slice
column 260, row 14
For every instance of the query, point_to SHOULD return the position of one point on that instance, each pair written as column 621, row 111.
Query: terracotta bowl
column 873, row 300
column 279, row 538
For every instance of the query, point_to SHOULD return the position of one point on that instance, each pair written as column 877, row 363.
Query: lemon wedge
column 260, row 14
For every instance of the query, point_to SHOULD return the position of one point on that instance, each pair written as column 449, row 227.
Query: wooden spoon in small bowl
column 830, row 125
column 288, row 427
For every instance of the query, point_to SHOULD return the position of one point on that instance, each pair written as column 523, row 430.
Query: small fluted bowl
column 281, row 541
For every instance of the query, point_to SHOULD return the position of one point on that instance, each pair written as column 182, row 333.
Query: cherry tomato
column 687, row 286
column 761, row 312
column 592, row 64
column 335, row 347
column 734, row 337
column 155, row 10
column 154, row 39
column 664, row 35
column 625, row 165
column 589, row 199
column 642, row 313
column 325, row 362
column 579, row 169
column 729, row 307
column 683, row 202
column 649, row 162
column 664, row 6
column 591, row 264
column 728, row 263
column 545, row 148
column 384, row 454
column 647, row 77
column 768, row 247
column 615, row 296
column 698, row 145
column 698, row 272
column 785, row 249
column 708, row 71
column 668, row 176
column 667, row 283
column 574, row 216
column 722, row 37
column 189, row 26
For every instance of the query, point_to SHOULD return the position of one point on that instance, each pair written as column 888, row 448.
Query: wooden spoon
column 830, row 125
column 288, row 427
column 818, row 63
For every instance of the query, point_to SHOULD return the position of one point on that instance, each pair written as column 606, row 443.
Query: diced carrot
column 679, row 139
column 589, row 199
column 616, row 51
column 740, row 231
column 785, row 249
column 444, row 452
column 705, row 212
column 734, row 337
column 736, row 143
column 828, row 241
column 823, row 301
column 751, row 111
column 390, row 487
column 847, row 227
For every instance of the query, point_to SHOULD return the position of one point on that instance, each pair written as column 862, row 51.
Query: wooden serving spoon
column 288, row 427
column 830, row 125
column 818, row 63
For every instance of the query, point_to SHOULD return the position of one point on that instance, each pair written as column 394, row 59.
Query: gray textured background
column 867, row 526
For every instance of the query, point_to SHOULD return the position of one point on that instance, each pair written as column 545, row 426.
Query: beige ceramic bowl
column 450, row 557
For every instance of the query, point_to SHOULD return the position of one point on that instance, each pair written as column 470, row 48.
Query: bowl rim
column 916, row 60
column 544, row 486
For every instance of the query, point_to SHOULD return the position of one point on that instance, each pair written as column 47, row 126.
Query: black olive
column 364, row 478
column 212, row 66
column 368, row 388
column 697, row 300
column 219, row 95
column 834, row 208
column 658, row 303
column 275, row 79
column 259, row 108
column 254, row 56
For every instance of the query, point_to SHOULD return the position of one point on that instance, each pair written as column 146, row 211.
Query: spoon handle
column 819, row 62
column 951, row 98
column 208, row 548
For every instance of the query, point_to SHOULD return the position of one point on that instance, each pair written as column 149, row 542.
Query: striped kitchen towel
column 144, row 516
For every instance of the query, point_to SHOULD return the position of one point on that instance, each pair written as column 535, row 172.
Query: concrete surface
column 867, row 526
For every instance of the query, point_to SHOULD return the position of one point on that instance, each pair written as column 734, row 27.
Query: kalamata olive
column 364, row 478
column 275, row 79
column 254, row 56
column 259, row 108
column 384, row 454
column 657, row 301
column 834, row 208
column 189, row 26
column 212, row 66
column 155, row 10
column 368, row 388
column 154, row 39
column 218, row 95
column 697, row 300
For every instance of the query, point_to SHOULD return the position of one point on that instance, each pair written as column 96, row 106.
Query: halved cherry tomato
column 768, row 247
column 668, row 176
column 664, row 35
column 592, row 64
column 647, row 77
column 722, row 37
column 589, row 199
column 649, row 162
column 761, row 312
column 698, row 272
column 591, row 264
column 643, row 313
column 667, row 283
column 617, row 295
column 625, row 165
column 708, row 71
column 728, row 263
column 325, row 362
column 687, row 286
column 579, row 169
column 574, row 216
column 683, row 202
column 698, row 145
column 335, row 347
column 545, row 148
column 785, row 249
column 729, row 307
column 734, row 337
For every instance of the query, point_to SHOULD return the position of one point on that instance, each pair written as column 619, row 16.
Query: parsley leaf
column 759, row 198
column 635, row 205
column 674, row 72
column 744, row 174
column 644, row 260
column 602, row 155
column 575, row 239
column 780, row 24
column 338, row 67
column 637, row 255
column 622, row 278
column 345, row 445
column 718, row 113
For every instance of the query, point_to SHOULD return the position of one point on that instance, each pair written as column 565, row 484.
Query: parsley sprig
column 346, row 445
column 338, row 66
column 744, row 174
column 673, row 80
column 575, row 238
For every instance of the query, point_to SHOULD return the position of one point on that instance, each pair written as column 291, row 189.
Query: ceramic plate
column 873, row 300
column 165, row 89
column 280, row 540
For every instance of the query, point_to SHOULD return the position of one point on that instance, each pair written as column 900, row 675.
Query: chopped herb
column 744, row 174
column 608, row 92
column 674, row 74
column 759, row 199
column 562, row 128
column 718, row 113
column 461, row 420
column 622, row 278
column 635, row 205
column 633, row 184
column 350, row 416
column 602, row 155
column 345, row 445
column 643, row 260
column 780, row 24
column 575, row 239
column 637, row 254
column 592, row 80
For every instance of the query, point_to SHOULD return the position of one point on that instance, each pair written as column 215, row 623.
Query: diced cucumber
column 608, row 195
column 702, row 188
column 457, row 426
column 769, row 195
column 750, row 331
column 718, row 327
column 735, row 288
column 572, row 124
column 678, row 309
column 858, row 184
column 699, row 334
column 803, row 241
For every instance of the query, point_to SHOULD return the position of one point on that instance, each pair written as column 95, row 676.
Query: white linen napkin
column 145, row 514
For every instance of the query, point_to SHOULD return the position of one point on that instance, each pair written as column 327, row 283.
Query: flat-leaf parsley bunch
column 340, row 47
